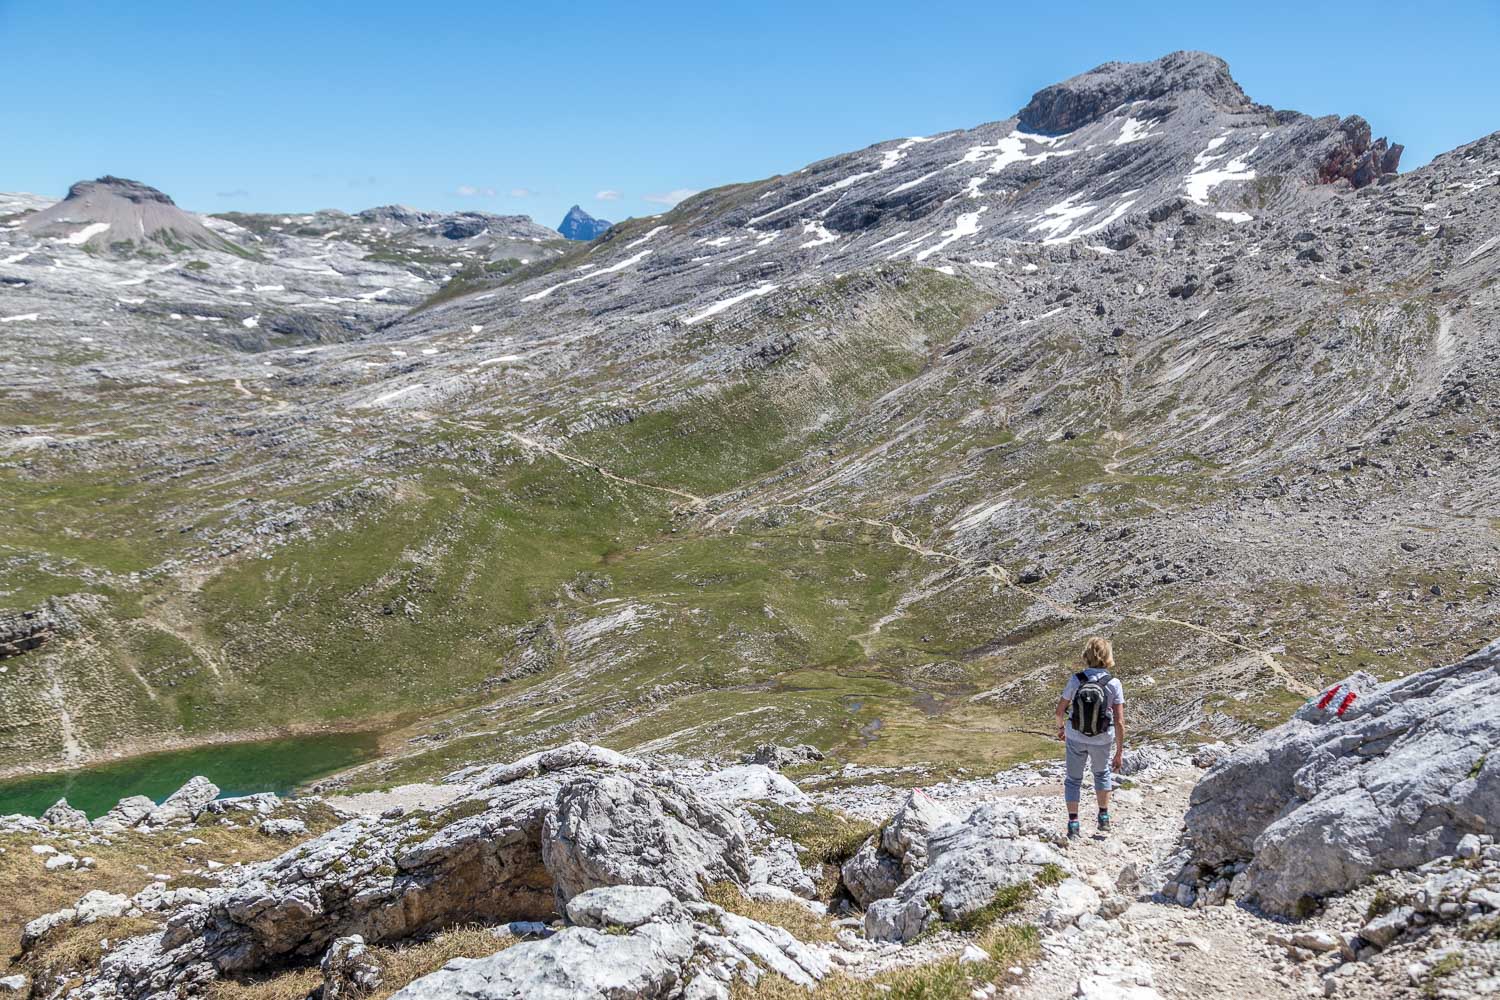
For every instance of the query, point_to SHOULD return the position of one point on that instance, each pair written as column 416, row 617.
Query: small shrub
column 1383, row 902
column 1051, row 874
column 1007, row 900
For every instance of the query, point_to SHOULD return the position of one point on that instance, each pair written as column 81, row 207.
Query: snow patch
column 617, row 266
column 966, row 225
column 819, row 234
column 23, row 317
column 1058, row 219
column 394, row 393
column 1012, row 149
column 1235, row 217
column 650, row 233
column 86, row 233
column 1205, row 176
column 1133, row 130
column 764, row 289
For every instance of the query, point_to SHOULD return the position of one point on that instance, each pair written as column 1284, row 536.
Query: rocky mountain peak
column 1089, row 96
column 118, row 187
column 580, row 225
column 114, row 210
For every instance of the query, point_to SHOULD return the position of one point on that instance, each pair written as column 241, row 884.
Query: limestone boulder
column 1319, row 804
column 65, row 817
column 968, row 863
column 644, row 829
column 183, row 805
column 897, row 851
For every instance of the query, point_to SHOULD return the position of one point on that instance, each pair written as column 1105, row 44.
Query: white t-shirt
column 1115, row 693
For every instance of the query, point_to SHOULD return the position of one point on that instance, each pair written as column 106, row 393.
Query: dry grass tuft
column 944, row 979
column 68, row 952
column 800, row 921
column 401, row 964
column 28, row 890
column 827, row 836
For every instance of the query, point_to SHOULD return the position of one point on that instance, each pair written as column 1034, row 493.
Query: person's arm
column 1062, row 713
column 1119, row 711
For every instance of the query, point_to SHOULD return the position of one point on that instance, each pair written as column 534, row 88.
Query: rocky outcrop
column 1090, row 96
column 23, row 631
column 896, row 852
column 183, row 805
column 65, row 817
column 527, row 840
column 128, row 812
column 641, row 830
column 1400, row 777
column 968, row 862
column 1350, row 155
column 779, row 758
column 754, row 783
column 636, row 942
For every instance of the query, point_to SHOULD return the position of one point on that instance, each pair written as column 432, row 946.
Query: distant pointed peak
column 580, row 225
column 1089, row 96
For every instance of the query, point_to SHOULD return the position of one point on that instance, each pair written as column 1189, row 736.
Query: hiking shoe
column 1104, row 822
column 1074, row 830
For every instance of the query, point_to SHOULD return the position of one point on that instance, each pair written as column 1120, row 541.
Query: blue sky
column 528, row 108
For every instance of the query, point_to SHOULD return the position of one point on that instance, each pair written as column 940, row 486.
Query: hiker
column 1091, row 715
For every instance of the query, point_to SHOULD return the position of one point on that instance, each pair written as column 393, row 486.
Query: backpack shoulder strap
column 1105, row 679
column 1083, row 678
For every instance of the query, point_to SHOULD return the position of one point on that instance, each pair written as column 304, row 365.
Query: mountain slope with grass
column 854, row 456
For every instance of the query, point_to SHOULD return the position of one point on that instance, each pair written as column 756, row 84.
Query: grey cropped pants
column 1096, row 757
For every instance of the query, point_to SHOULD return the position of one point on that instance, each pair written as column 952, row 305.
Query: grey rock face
column 129, row 811
column 260, row 803
column 623, row 906
column 754, row 783
column 968, row 862
column 1320, row 803
column 183, row 805
column 630, row 943
column 641, row 830
column 1086, row 97
column 578, row 830
column 897, row 851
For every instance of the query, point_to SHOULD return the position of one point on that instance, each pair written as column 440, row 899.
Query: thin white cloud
column 671, row 197
column 521, row 192
column 608, row 194
column 470, row 191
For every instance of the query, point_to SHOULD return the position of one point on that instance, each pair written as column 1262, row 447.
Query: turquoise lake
column 278, row 765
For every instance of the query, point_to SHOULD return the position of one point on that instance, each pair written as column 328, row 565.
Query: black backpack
column 1091, row 715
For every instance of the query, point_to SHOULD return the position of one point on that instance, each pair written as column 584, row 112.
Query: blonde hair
column 1098, row 653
